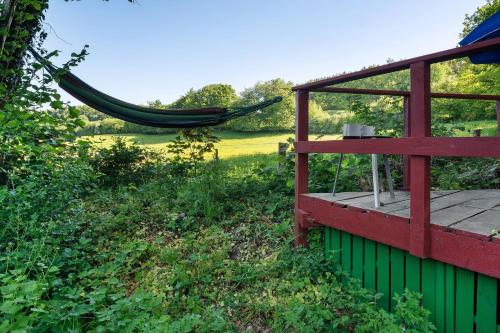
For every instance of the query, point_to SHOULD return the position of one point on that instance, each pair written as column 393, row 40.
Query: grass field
column 234, row 144
column 487, row 127
column 231, row 144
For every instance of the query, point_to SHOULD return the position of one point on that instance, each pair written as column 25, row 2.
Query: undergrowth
column 204, row 251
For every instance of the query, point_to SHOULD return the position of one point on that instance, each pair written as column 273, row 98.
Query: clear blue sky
column 158, row 49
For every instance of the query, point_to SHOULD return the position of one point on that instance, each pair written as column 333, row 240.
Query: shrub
column 190, row 147
column 123, row 164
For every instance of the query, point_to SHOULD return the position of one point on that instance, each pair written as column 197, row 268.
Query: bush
column 124, row 164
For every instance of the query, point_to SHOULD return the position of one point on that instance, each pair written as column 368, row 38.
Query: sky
column 159, row 49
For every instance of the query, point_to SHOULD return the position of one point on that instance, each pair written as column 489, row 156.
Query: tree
column 90, row 113
column 276, row 117
column 220, row 95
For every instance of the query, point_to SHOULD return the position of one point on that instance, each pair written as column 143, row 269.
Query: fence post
column 282, row 148
column 420, row 126
column 301, row 162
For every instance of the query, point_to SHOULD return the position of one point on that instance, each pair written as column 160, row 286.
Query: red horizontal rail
column 458, row 52
column 419, row 146
column 388, row 229
column 466, row 96
column 403, row 93
column 358, row 91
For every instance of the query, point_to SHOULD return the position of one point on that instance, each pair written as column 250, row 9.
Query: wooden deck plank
column 453, row 199
column 401, row 202
column 484, row 203
column 453, row 214
column 339, row 196
column 484, row 223
column 384, row 197
column 441, row 202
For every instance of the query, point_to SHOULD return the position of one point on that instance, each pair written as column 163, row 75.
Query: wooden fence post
column 301, row 162
column 282, row 148
column 420, row 126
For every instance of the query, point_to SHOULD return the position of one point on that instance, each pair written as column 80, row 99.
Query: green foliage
column 457, row 173
column 90, row 114
column 118, row 126
column 209, row 252
column 386, row 115
column 190, row 147
column 220, row 95
column 277, row 117
column 410, row 313
column 29, row 137
column 124, row 164
column 20, row 22
column 21, row 301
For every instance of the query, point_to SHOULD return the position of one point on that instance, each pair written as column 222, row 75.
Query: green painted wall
column 459, row 300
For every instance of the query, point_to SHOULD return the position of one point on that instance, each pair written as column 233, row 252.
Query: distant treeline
column 279, row 117
column 328, row 111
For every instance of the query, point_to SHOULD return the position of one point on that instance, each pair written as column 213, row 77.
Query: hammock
column 166, row 118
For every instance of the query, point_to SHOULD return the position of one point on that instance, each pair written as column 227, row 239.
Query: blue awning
column 489, row 29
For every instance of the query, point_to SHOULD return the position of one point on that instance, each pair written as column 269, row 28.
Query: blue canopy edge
column 489, row 29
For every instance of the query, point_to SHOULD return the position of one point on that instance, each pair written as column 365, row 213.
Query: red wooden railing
column 417, row 145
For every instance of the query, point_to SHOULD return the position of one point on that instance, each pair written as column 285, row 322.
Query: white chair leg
column 337, row 173
column 376, row 187
column 388, row 176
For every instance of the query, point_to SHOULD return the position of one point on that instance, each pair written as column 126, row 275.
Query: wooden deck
column 473, row 211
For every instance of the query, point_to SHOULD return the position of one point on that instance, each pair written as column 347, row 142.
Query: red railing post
column 420, row 126
column 406, row 133
column 301, row 162
column 498, row 117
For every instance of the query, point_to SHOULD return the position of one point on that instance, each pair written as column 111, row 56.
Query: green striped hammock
column 166, row 118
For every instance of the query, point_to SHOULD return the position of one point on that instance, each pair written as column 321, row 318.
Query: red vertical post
column 420, row 126
column 406, row 133
column 498, row 118
column 301, row 162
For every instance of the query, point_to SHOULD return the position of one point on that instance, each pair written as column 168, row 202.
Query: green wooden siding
column 357, row 257
column 370, row 263
column 459, row 300
column 383, row 273
column 346, row 255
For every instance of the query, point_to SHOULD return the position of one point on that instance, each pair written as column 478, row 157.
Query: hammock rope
column 165, row 118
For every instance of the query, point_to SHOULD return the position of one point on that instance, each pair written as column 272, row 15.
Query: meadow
column 231, row 143
column 464, row 128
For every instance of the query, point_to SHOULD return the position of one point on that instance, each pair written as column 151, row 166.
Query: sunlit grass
column 232, row 143
column 487, row 127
